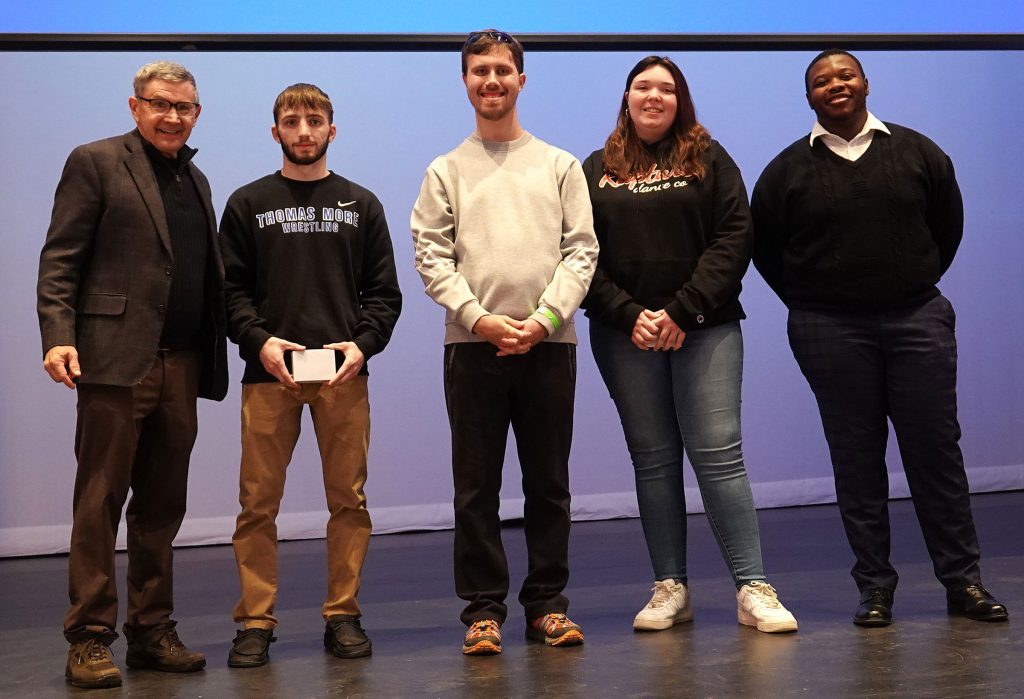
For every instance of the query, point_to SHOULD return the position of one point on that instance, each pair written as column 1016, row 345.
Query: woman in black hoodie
column 672, row 220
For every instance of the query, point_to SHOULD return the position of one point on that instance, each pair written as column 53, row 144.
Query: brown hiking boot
column 91, row 664
column 159, row 648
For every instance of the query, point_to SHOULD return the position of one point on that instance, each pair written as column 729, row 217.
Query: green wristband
column 550, row 316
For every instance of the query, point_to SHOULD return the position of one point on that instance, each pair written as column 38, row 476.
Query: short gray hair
column 163, row 70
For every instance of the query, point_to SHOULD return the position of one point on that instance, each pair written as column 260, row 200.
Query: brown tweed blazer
column 105, row 269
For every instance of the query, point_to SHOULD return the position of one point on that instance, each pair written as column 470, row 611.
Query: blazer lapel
column 211, row 217
column 142, row 172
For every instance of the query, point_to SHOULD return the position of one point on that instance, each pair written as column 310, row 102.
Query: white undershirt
column 856, row 146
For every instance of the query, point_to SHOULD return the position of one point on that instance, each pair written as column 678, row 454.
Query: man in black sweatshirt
column 854, row 226
column 308, row 264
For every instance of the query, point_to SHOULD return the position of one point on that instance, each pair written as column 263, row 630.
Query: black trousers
column 485, row 394
column 139, row 438
column 863, row 368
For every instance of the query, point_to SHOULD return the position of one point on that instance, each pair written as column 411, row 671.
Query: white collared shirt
column 856, row 146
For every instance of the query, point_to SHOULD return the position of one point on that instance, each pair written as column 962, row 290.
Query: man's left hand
column 353, row 362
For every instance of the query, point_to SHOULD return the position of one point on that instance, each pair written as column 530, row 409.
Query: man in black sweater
column 308, row 264
column 854, row 226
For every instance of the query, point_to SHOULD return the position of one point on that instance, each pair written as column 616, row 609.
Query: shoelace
column 484, row 628
column 97, row 650
column 173, row 642
column 662, row 594
column 766, row 594
column 552, row 622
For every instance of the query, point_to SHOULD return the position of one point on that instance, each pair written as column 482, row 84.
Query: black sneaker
column 345, row 638
column 251, row 648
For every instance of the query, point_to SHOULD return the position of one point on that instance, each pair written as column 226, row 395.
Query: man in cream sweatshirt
column 505, row 242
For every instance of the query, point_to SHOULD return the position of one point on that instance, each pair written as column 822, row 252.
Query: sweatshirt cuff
column 626, row 318
column 368, row 345
column 469, row 314
column 685, row 320
column 252, row 342
column 548, row 319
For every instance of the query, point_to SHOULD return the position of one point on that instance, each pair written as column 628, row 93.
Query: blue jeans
column 687, row 400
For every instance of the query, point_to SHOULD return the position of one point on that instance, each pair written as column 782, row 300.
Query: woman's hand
column 670, row 335
column 645, row 329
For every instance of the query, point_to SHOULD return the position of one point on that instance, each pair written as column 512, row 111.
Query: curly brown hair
column 626, row 156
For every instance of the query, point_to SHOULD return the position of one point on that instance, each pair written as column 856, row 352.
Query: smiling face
column 304, row 134
column 493, row 83
column 166, row 132
column 837, row 92
column 652, row 103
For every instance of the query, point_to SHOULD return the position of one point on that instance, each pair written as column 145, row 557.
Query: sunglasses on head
column 495, row 35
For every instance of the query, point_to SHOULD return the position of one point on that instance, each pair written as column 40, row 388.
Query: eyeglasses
column 492, row 34
column 185, row 110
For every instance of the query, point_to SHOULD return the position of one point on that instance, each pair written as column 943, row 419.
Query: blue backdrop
column 395, row 112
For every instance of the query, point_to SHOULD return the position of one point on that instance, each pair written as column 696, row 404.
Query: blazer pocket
column 103, row 304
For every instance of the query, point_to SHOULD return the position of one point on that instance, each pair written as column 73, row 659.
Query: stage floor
column 411, row 613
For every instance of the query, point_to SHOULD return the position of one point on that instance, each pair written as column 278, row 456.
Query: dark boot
column 159, row 648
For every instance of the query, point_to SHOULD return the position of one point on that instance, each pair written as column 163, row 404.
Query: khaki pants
column 271, row 418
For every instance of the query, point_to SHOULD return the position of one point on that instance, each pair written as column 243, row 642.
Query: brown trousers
column 140, row 438
column 271, row 419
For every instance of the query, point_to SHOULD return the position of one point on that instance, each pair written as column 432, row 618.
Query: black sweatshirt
column 669, row 241
column 309, row 262
column 876, row 233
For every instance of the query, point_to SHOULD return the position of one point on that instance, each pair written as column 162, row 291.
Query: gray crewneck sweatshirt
column 505, row 228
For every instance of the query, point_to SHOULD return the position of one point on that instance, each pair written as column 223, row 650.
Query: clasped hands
column 509, row 335
column 272, row 358
column 655, row 330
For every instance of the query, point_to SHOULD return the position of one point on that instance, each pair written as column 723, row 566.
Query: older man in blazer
column 131, row 313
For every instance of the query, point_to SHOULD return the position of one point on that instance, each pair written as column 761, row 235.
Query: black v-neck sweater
column 874, row 233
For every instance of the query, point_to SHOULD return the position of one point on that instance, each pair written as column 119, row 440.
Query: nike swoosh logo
column 346, row 203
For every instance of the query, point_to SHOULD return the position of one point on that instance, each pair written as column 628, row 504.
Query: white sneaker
column 758, row 605
column 669, row 605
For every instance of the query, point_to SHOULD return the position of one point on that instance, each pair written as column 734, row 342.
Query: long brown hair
column 626, row 156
